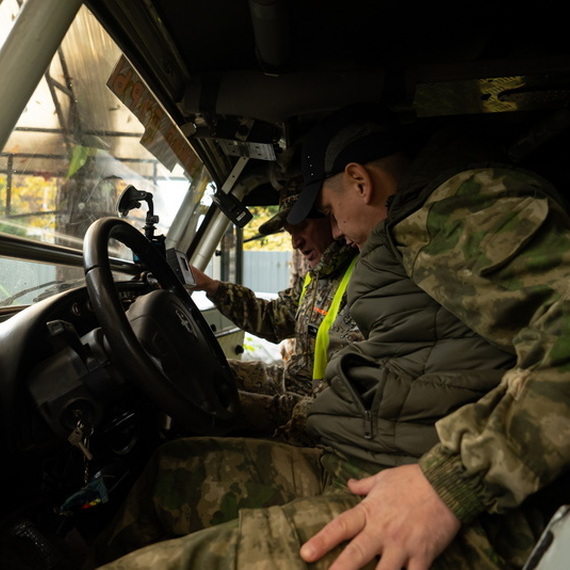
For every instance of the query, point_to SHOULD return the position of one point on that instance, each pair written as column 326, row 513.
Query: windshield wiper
column 59, row 286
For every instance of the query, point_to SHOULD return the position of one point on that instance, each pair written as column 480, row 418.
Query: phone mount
column 131, row 199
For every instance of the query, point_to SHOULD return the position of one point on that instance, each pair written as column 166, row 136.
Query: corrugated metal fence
column 266, row 271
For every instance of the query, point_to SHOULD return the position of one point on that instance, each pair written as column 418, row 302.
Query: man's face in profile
column 311, row 237
column 334, row 201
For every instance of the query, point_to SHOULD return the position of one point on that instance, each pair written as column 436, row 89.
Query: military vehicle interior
column 238, row 85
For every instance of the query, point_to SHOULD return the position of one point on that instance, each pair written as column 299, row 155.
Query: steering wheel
column 163, row 343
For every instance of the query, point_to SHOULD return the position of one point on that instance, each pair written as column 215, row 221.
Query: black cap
column 360, row 133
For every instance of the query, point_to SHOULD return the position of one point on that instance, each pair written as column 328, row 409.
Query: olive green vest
column 418, row 363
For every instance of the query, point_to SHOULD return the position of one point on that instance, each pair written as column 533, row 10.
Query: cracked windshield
column 90, row 129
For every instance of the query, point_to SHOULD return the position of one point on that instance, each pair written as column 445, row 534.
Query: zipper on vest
column 367, row 415
column 367, row 424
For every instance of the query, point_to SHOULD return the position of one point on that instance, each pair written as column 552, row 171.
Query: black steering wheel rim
column 218, row 416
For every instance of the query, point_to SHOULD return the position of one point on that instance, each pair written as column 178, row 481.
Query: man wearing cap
column 306, row 312
column 444, row 432
column 462, row 286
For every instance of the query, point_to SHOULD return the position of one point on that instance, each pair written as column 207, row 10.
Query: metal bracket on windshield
column 227, row 202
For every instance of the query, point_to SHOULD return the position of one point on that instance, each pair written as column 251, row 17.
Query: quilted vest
column 418, row 363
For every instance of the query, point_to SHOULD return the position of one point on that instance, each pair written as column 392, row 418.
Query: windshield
column 91, row 128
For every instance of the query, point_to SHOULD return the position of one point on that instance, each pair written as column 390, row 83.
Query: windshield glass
column 91, row 128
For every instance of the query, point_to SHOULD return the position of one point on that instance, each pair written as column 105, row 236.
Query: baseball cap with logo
column 360, row 133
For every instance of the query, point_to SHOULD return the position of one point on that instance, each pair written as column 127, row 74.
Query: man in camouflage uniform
column 461, row 290
column 271, row 393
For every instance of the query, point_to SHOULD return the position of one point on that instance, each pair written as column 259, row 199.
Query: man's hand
column 203, row 282
column 402, row 519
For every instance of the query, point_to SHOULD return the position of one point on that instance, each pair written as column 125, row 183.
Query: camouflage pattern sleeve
column 494, row 249
column 344, row 331
column 272, row 320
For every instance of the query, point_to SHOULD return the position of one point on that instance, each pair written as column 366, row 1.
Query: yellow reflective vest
column 322, row 339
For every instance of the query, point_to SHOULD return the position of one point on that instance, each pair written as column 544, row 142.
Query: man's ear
column 360, row 180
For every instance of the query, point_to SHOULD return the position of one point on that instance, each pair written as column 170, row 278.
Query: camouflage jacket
column 284, row 317
column 491, row 244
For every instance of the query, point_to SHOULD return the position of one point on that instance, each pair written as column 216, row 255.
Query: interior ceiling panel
column 217, row 35
column 245, row 73
column 216, row 40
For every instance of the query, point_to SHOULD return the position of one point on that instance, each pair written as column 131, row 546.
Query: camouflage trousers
column 237, row 503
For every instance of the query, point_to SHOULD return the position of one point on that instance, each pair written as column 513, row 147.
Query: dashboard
column 57, row 374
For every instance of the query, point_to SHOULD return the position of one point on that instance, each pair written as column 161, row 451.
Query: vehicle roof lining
column 260, row 71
